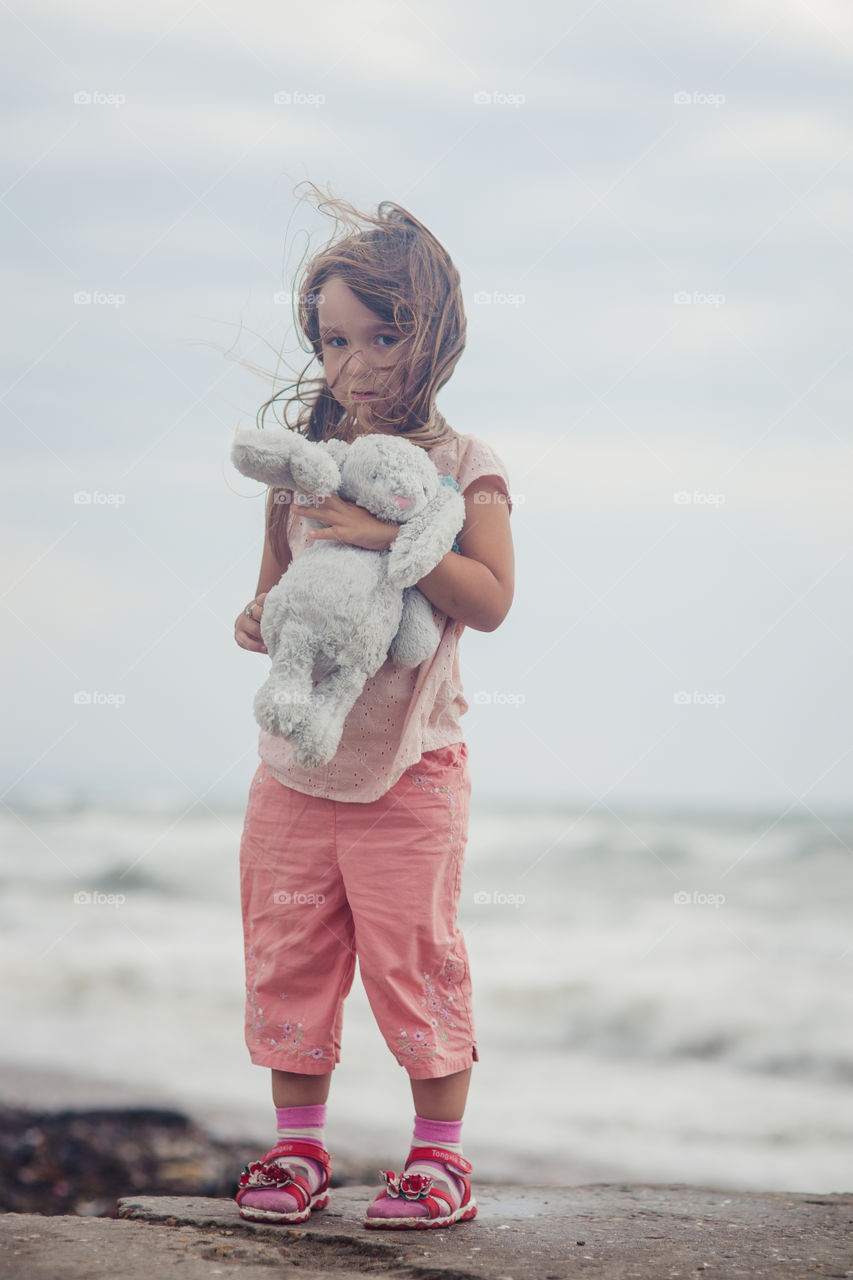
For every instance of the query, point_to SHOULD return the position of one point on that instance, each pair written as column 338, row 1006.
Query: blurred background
column 650, row 207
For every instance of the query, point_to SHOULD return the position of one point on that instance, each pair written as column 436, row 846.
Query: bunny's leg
column 330, row 704
column 417, row 636
column 282, row 702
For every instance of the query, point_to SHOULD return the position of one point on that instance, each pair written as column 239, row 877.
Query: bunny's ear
column 426, row 539
column 264, row 454
column 278, row 456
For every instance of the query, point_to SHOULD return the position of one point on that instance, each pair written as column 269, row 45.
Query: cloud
column 795, row 480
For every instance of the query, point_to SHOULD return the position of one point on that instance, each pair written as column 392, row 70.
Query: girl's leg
column 299, row 967
column 439, row 1107
column 292, row 1090
column 443, row 1098
column 402, row 868
column 300, row 1117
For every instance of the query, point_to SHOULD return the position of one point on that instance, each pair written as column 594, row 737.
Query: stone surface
column 603, row 1231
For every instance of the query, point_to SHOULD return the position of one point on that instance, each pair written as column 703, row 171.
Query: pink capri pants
column 323, row 881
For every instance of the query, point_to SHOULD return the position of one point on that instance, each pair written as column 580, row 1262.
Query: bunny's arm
column 425, row 539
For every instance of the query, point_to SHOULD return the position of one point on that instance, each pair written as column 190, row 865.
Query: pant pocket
column 453, row 757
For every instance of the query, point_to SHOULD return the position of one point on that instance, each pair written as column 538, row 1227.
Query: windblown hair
column 395, row 267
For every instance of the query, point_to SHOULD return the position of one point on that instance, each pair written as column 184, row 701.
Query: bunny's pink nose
column 402, row 503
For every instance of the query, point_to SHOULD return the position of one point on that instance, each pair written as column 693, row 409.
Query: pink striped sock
column 438, row 1133
column 304, row 1124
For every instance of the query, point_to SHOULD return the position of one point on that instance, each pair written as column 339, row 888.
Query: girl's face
column 360, row 352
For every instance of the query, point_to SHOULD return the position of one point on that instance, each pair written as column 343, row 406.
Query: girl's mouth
column 363, row 395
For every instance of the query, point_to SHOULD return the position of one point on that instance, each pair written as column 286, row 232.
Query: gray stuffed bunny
column 339, row 611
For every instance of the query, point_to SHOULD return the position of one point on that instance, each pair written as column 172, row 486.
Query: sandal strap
column 435, row 1209
column 450, row 1158
column 292, row 1147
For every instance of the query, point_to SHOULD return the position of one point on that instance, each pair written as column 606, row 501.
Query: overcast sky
column 651, row 208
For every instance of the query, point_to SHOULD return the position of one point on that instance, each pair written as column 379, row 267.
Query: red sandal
column 420, row 1187
column 274, row 1173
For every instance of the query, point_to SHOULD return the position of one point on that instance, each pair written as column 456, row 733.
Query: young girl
column 363, row 857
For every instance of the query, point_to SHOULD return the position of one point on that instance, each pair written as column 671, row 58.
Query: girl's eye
column 330, row 342
column 387, row 337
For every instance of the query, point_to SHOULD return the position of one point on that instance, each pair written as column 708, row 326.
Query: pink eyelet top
column 399, row 714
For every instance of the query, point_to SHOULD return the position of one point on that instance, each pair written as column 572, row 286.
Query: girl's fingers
column 247, row 631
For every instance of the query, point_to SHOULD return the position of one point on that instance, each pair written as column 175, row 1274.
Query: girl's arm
column 247, row 632
column 271, row 567
column 476, row 587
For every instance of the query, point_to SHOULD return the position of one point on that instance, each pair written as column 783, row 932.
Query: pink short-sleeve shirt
column 399, row 714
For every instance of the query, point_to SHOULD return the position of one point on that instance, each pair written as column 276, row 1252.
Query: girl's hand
column 247, row 631
column 348, row 522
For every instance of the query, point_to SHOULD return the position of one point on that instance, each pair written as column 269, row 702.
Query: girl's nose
column 356, row 355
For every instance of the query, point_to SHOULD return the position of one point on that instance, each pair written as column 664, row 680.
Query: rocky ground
column 603, row 1231
column 83, row 1161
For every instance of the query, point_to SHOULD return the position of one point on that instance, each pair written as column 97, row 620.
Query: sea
column 659, row 997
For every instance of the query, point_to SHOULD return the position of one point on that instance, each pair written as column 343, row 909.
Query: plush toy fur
column 339, row 611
